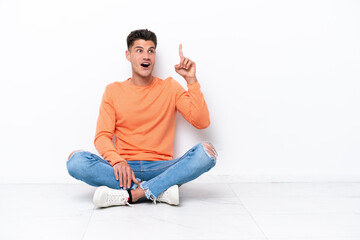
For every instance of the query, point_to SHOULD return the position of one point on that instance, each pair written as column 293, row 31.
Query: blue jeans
column 155, row 176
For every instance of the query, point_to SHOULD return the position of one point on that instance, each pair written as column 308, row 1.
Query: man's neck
column 140, row 81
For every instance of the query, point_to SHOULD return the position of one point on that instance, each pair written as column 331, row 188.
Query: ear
column 127, row 53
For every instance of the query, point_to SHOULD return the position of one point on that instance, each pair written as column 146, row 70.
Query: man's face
column 142, row 57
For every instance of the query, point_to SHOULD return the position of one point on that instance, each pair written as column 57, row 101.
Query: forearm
column 199, row 112
column 106, row 148
column 192, row 106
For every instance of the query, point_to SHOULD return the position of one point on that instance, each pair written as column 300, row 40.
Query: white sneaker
column 170, row 196
column 106, row 197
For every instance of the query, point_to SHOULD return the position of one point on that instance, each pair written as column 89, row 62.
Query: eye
column 139, row 50
column 150, row 51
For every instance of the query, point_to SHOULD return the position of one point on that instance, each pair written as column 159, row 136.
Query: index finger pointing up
column 180, row 51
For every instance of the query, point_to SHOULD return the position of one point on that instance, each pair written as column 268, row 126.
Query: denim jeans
column 155, row 176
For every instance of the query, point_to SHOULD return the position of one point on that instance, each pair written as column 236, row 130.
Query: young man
column 141, row 112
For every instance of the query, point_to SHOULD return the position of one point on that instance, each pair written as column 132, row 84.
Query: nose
column 146, row 56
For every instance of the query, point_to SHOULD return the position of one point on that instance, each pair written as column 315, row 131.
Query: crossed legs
column 95, row 171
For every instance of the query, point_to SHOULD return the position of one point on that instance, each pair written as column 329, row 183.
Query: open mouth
column 145, row 65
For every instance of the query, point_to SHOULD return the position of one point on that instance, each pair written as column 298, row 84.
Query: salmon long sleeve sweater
column 143, row 119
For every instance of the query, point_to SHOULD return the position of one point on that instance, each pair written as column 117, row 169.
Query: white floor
column 274, row 211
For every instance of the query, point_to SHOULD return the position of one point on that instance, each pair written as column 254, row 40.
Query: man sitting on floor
column 141, row 113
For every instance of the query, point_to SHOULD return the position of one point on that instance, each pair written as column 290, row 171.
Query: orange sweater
column 143, row 119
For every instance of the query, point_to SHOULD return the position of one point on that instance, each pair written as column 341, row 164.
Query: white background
column 281, row 79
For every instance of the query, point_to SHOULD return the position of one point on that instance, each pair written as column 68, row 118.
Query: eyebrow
column 143, row 48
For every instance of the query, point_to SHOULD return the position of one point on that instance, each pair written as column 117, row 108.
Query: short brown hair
column 141, row 34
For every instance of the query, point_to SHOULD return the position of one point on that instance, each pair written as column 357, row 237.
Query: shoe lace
column 115, row 196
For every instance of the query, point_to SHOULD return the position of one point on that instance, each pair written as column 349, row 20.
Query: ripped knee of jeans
column 72, row 153
column 210, row 150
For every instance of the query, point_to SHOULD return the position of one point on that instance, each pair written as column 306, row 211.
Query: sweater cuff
column 115, row 159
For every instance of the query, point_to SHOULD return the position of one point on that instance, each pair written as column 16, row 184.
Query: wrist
column 120, row 163
column 191, row 80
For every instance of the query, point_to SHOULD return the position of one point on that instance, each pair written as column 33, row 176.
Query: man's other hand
column 124, row 174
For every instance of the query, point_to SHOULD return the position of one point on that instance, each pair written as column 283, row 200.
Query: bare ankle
column 137, row 194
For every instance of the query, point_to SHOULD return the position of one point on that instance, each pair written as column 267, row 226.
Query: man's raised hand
column 186, row 68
